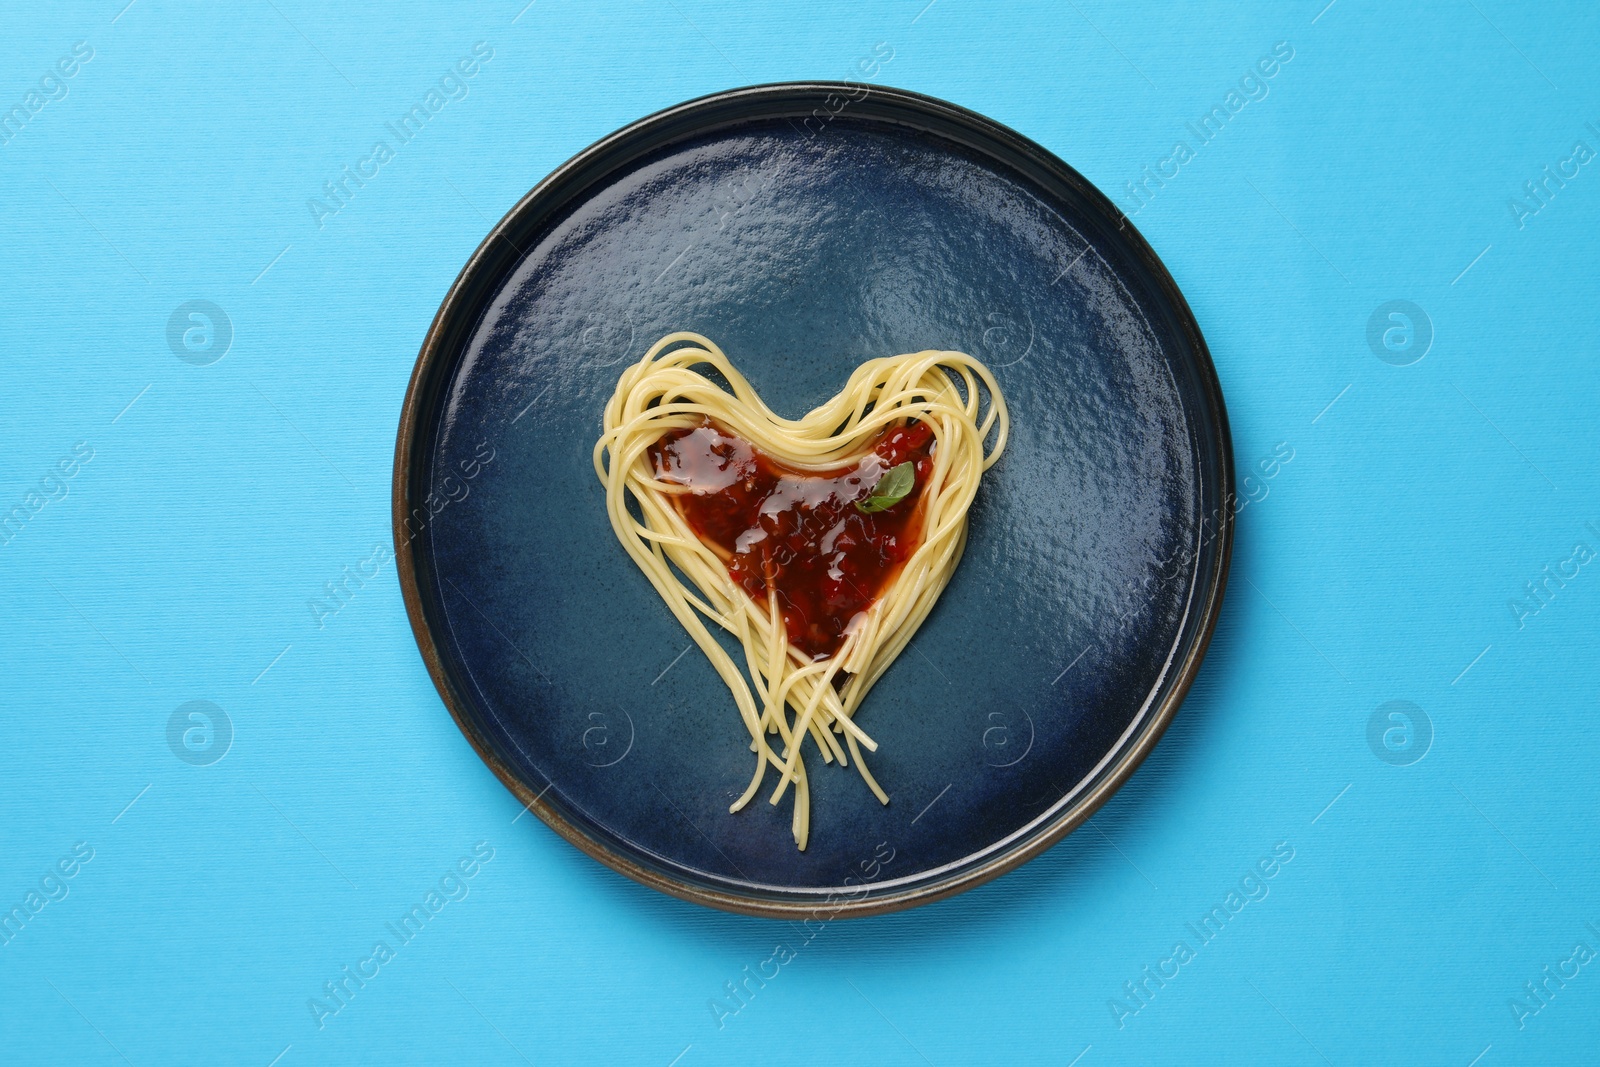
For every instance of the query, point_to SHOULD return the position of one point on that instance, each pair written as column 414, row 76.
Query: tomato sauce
column 799, row 531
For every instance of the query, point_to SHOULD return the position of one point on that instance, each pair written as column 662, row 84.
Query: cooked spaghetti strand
column 674, row 389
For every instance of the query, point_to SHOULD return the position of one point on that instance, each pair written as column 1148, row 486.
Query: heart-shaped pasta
column 819, row 543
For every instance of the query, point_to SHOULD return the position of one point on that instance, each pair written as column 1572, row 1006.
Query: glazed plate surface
column 805, row 229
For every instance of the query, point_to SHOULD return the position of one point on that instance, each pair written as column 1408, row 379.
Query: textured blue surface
column 1391, row 560
column 804, row 252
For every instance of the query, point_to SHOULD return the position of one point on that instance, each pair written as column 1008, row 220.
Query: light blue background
column 1379, row 566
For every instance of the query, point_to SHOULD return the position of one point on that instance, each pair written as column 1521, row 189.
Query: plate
column 806, row 228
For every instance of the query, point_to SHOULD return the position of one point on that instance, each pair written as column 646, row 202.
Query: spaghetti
column 819, row 543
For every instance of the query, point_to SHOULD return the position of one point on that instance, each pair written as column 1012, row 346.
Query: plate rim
column 487, row 265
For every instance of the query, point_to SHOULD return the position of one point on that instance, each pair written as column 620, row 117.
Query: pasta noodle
column 787, row 690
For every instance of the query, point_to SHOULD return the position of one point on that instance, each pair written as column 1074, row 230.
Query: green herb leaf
column 895, row 485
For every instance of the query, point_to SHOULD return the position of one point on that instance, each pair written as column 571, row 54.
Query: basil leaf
column 895, row 485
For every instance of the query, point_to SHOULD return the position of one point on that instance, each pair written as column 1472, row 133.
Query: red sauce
column 799, row 530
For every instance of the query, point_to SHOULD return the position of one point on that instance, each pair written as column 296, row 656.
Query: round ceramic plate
column 806, row 228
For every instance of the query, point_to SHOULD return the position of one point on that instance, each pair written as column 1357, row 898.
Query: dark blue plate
column 806, row 228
